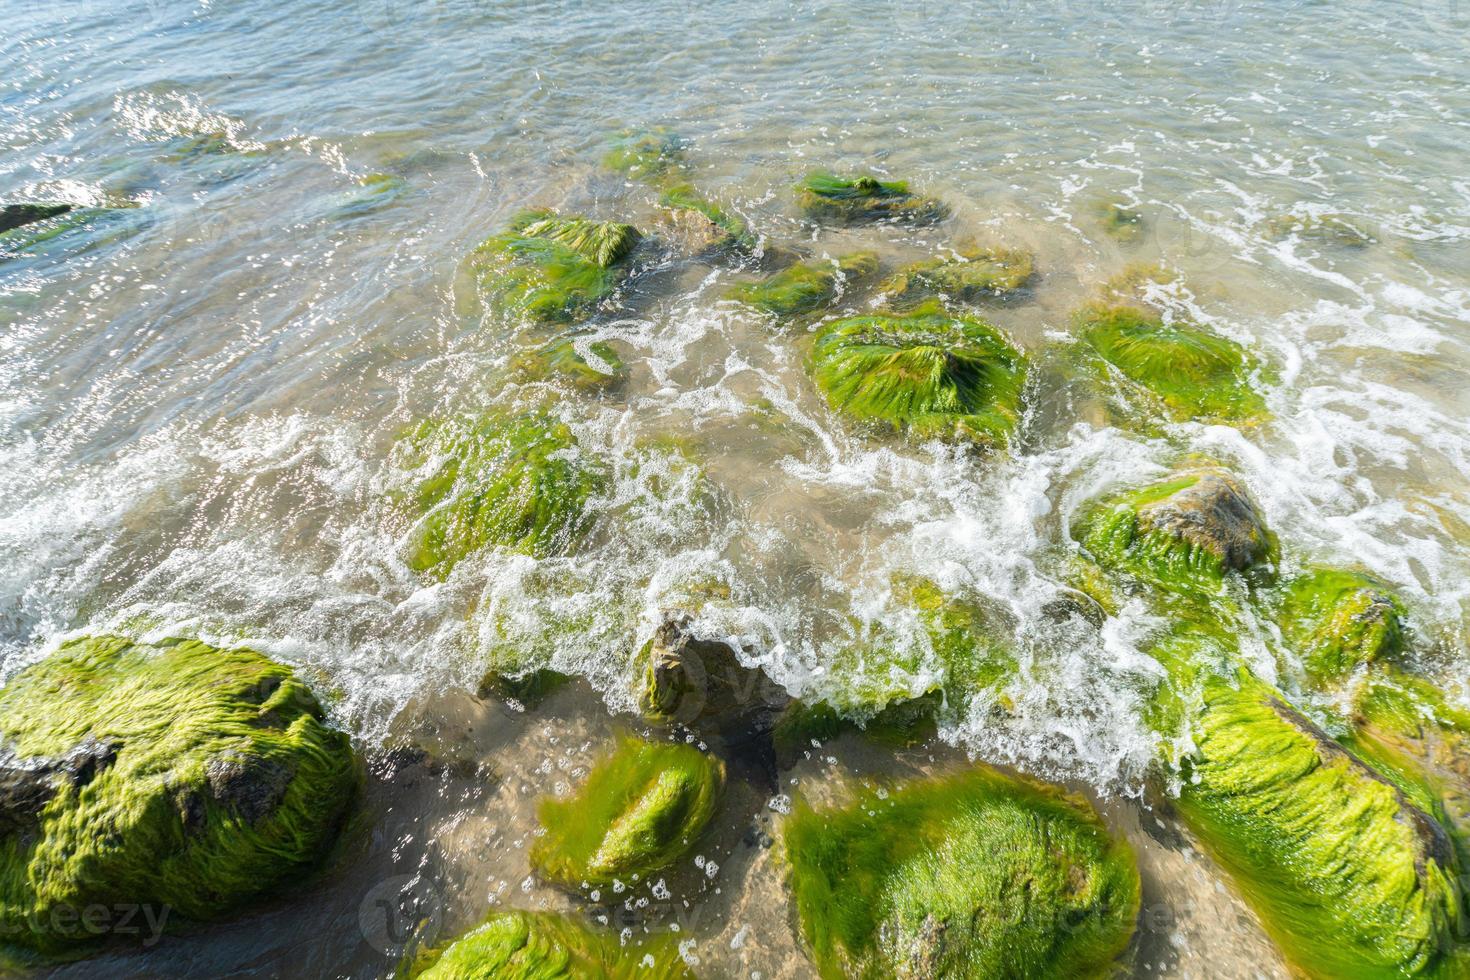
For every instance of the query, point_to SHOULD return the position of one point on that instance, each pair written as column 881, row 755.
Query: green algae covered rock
column 643, row 807
column 974, row 875
column 1182, row 535
column 862, row 199
column 926, row 373
column 1350, row 877
column 590, row 367
column 646, row 154
column 16, row 215
column 551, row 268
column 1327, row 229
column 515, row 945
column 720, row 231
column 1338, row 620
column 806, row 286
column 970, row 276
column 1182, row 372
column 173, row 775
column 516, row 481
column 1120, row 222
column 374, row 191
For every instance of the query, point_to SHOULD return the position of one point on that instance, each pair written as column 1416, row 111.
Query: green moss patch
column 643, row 808
column 1338, row 620
column 1120, row 222
column 723, row 231
column 173, row 775
column 806, row 286
column 863, row 199
column 646, row 154
column 514, row 481
column 599, row 369
column 551, row 268
column 975, row 875
column 971, row 276
column 925, row 373
column 1184, row 373
column 516, row 945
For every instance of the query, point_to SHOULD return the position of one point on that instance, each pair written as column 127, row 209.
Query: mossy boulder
column 1178, row 371
column 646, row 154
column 806, row 286
column 515, row 481
column 969, row 276
column 926, row 373
column 1182, row 534
column 587, row 366
column 1350, row 877
column 173, row 775
column 1120, row 222
column 1337, row 620
column 515, row 945
column 552, row 268
column 712, row 227
column 861, row 199
column 16, row 215
column 974, row 875
column 643, row 808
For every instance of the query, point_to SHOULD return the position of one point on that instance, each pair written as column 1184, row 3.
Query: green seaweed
column 514, row 481
column 726, row 231
column 551, row 268
column 601, row 242
column 975, row 875
column 1120, row 222
column 1337, row 621
column 563, row 361
column 1184, row 373
column 376, row 191
column 515, row 945
column 643, row 807
column 970, row 276
column 174, row 775
column 861, row 199
column 805, row 286
column 646, row 154
column 16, row 215
column 926, row 373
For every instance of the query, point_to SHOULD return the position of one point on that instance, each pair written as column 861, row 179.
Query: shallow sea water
column 198, row 405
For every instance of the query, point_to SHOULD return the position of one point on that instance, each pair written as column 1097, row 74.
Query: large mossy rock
column 975, row 875
column 1183, row 534
column 806, row 286
column 516, row 945
column 925, row 373
column 643, row 808
column 707, row 227
column 1350, row 877
column 969, row 276
column 1337, row 621
column 516, row 481
column 862, row 199
column 550, row 268
column 1177, row 371
column 174, row 775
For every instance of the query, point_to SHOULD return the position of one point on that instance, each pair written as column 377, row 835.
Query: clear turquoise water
column 198, row 403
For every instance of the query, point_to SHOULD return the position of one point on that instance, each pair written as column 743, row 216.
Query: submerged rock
column 374, row 191
column 516, row 481
column 707, row 226
column 1337, row 621
column 545, row 946
column 16, row 215
column 646, row 154
column 173, row 775
column 70, row 227
column 1120, row 222
column 1328, row 229
column 642, row 809
column 970, row 276
column 589, row 367
column 926, row 373
column 1183, row 534
column 975, row 875
column 862, row 199
column 806, row 286
column 552, row 268
column 1181, row 372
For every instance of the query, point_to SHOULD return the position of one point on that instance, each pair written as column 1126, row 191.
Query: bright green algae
column 1183, row 372
column 646, row 154
column 861, row 199
column 643, row 808
column 564, row 361
column 926, row 373
column 806, row 286
column 517, row 481
column 200, row 780
column 515, row 945
column 1337, row 620
column 972, row 875
column 969, row 276
column 552, row 268
column 728, row 231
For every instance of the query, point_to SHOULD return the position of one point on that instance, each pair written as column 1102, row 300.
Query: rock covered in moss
column 552, row 268
column 16, row 215
column 1349, row 876
column 926, row 373
column 646, row 154
column 806, row 286
column 173, row 775
column 1328, row 229
column 701, row 684
column 969, row 276
column 1120, row 222
column 1182, row 534
column 861, row 199
column 643, row 808
column 1338, row 620
column 71, row 227
column 590, row 366
column 715, row 228
column 544, row 946
column 516, row 481
column 1182, row 372
column 975, row 875
column 375, row 191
